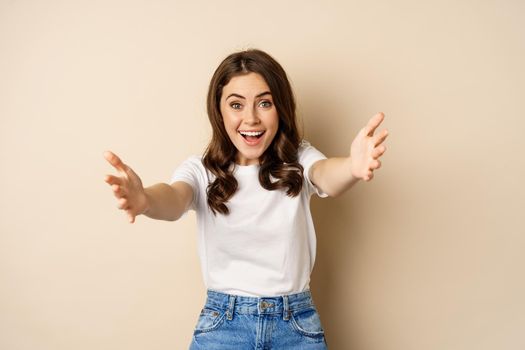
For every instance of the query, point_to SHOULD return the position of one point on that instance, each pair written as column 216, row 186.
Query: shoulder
column 192, row 162
column 308, row 157
column 195, row 159
column 307, row 152
column 191, row 167
column 304, row 144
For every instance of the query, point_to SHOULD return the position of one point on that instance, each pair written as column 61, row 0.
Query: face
column 249, row 116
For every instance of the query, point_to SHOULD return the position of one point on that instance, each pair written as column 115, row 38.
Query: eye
column 235, row 105
column 265, row 104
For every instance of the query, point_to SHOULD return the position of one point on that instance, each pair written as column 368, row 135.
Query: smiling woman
column 251, row 191
column 250, row 92
column 249, row 113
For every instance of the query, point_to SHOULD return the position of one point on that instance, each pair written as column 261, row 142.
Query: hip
column 242, row 322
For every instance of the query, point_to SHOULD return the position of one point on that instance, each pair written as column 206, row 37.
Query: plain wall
column 428, row 255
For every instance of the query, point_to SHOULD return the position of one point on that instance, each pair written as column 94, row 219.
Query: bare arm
column 336, row 175
column 333, row 175
column 168, row 202
column 160, row 201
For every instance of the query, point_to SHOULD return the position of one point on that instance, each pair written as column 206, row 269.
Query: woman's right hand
column 127, row 188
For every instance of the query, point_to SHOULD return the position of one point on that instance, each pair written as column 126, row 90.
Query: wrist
column 147, row 202
column 350, row 170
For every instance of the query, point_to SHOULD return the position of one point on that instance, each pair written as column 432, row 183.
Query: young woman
column 251, row 191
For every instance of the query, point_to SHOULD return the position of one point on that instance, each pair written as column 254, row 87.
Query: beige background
column 429, row 255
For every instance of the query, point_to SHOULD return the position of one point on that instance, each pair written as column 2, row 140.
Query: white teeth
column 251, row 133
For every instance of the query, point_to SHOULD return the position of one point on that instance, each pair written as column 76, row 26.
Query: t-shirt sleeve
column 190, row 172
column 308, row 155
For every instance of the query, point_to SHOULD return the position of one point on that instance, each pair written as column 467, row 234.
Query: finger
column 373, row 123
column 373, row 165
column 113, row 180
column 369, row 177
column 380, row 138
column 379, row 151
column 123, row 203
column 114, row 160
column 131, row 218
column 118, row 191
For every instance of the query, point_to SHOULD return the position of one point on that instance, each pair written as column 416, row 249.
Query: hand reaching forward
column 127, row 187
column 366, row 149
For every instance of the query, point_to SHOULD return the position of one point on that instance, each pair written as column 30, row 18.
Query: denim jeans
column 234, row 322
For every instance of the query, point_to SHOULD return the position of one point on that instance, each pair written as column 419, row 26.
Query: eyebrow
column 239, row 96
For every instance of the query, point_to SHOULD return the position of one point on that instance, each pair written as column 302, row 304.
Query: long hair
column 280, row 158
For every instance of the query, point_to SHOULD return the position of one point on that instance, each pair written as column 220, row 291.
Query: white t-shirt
column 266, row 246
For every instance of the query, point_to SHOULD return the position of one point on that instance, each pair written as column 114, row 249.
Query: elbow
column 175, row 217
column 333, row 194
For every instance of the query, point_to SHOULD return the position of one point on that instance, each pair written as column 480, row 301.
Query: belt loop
column 229, row 312
column 286, row 311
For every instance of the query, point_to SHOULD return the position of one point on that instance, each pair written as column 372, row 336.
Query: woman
column 251, row 190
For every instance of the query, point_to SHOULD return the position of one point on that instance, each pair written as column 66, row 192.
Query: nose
column 251, row 116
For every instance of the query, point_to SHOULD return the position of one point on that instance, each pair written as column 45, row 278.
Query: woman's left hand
column 366, row 149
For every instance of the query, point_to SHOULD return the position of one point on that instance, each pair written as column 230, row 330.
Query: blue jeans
column 234, row 322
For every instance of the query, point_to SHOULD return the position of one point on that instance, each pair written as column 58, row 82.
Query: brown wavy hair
column 280, row 158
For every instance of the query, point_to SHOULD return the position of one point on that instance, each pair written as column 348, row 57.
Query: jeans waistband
column 241, row 304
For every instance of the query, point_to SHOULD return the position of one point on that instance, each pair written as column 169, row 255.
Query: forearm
column 333, row 175
column 163, row 202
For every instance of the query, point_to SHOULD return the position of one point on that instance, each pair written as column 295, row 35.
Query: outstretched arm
column 336, row 175
column 160, row 201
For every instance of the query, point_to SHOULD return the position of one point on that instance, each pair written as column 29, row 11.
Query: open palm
column 366, row 149
column 127, row 187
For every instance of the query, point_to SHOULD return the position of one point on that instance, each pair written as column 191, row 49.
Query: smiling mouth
column 252, row 138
